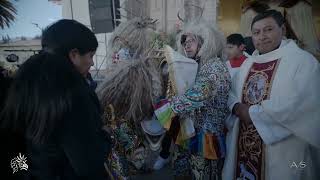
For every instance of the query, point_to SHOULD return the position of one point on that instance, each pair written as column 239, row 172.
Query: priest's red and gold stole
column 257, row 87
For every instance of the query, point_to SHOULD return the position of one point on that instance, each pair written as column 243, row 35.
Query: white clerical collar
column 285, row 45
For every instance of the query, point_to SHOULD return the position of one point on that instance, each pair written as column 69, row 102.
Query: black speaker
column 103, row 14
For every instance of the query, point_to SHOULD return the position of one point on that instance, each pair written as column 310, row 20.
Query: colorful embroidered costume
column 205, row 103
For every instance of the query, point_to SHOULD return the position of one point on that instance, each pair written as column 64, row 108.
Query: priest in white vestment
column 275, row 99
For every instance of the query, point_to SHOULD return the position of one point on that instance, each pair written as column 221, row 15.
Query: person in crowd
column 235, row 51
column 53, row 106
column 201, row 156
column 275, row 102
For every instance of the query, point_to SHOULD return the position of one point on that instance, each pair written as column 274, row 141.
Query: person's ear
column 73, row 55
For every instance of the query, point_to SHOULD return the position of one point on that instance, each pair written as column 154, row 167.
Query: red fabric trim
column 237, row 61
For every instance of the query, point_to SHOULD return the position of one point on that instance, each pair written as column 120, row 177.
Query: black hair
column 64, row 35
column 5, row 82
column 259, row 7
column 276, row 15
column 41, row 96
column 249, row 45
column 235, row 39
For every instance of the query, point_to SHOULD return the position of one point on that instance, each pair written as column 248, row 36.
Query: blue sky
column 41, row 12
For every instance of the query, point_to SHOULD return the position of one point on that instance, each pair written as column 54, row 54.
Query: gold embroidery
column 257, row 87
column 270, row 68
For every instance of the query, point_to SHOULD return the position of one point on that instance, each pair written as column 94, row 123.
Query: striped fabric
column 205, row 144
column 164, row 113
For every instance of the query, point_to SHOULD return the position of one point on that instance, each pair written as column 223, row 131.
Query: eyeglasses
column 189, row 42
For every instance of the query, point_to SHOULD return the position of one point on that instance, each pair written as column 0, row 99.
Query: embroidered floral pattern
column 206, row 104
column 206, row 101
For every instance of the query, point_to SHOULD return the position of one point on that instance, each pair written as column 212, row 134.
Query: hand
column 242, row 111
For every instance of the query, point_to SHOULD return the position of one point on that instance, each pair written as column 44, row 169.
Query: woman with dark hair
column 51, row 103
column 12, row 141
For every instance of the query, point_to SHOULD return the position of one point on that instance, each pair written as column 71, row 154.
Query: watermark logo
column 298, row 165
column 19, row 163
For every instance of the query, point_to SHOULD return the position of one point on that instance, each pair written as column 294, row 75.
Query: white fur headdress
column 213, row 40
column 135, row 34
column 132, row 85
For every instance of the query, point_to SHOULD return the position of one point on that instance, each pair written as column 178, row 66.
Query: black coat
column 77, row 150
column 77, row 147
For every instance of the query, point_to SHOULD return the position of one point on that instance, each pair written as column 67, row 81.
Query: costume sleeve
column 205, row 87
